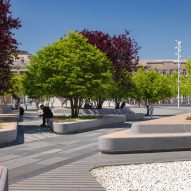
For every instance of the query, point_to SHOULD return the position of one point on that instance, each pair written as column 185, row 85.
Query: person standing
column 151, row 111
column 21, row 113
column 47, row 113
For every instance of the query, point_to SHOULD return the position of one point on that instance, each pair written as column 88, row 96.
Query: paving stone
column 47, row 161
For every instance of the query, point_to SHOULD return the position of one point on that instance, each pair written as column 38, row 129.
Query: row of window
column 171, row 71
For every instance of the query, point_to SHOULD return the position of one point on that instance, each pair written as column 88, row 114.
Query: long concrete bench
column 130, row 115
column 76, row 127
column 3, row 178
column 170, row 133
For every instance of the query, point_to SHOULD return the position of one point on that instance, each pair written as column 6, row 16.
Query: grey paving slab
column 52, row 160
column 8, row 157
column 63, row 162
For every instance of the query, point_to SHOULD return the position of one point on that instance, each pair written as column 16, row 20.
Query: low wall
column 144, row 143
column 130, row 115
column 76, row 127
column 8, row 129
column 3, row 178
column 165, row 134
column 160, row 128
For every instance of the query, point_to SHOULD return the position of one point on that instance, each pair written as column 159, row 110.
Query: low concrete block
column 76, row 127
column 9, row 134
column 3, row 178
column 116, row 143
column 160, row 128
column 130, row 115
column 170, row 133
column 134, row 116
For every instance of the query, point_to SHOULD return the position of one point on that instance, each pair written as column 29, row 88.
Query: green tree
column 69, row 67
column 16, row 89
column 150, row 87
column 185, row 81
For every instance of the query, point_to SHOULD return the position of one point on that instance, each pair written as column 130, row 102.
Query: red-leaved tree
column 8, row 44
column 103, row 42
column 122, row 51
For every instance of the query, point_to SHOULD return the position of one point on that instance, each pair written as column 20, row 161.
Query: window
column 164, row 72
column 171, row 71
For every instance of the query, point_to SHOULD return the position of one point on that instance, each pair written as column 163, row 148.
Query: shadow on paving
column 26, row 129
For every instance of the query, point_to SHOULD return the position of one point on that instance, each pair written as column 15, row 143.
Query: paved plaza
column 43, row 160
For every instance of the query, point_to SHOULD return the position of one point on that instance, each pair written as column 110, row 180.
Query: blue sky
column 154, row 24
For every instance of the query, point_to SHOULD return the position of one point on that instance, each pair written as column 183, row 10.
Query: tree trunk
column 72, row 107
column 75, row 106
column 117, row 103
column 99, row 103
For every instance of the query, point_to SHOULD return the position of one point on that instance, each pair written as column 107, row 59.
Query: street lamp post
column 178, row 47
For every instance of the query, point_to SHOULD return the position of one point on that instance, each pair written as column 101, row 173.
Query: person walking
column 47, row 113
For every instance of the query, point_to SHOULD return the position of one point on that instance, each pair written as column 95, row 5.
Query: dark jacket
column 47, row 113
column 21, row 111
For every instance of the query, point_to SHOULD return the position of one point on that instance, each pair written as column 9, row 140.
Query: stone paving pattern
column 42, row 160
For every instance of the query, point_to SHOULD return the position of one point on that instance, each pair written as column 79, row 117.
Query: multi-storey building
column 20, row 62
column 164, row 66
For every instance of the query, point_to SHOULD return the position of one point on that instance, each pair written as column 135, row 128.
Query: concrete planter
column 3, row 179
column 9, row 134
column 76, row 127
column 130, row 115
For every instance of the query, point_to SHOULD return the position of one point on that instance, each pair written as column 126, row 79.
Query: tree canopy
column 8, row 44
column 69, row 67
column 150, row 87
column 122, row 51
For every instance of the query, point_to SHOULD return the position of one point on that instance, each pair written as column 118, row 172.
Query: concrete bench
column 130, row 115
column 3, row 178
column 8, row 128
column 90, row 124
column 165, row 134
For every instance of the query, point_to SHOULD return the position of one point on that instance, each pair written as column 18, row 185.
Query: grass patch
column 80, row 118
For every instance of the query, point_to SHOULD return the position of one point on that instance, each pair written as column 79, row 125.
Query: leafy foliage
column 122, row 51
column 8, row 44
column 16, row 89
column 72, row 68
column 150, row 87
column 185, row 85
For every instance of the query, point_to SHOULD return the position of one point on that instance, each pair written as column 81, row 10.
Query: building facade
column 164, row 66
column 20, row 62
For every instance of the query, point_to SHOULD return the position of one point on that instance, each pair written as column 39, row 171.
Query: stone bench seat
column 3, row 178
column 170, row 133
column 119, row 143
column 84, row 125
column 130, row 115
